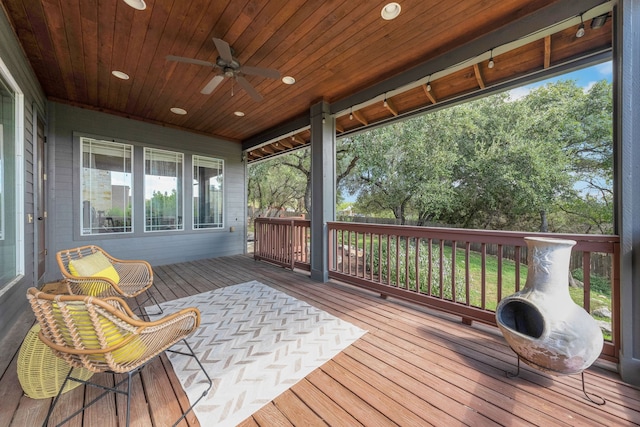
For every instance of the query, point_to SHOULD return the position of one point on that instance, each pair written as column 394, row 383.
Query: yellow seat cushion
column 94, row 265
column 114, row 335
column 130, row 352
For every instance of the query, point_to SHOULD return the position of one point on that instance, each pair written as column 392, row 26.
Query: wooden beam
column 267, row 149
column 286, row 143
column 298, row 140
column 547, row 51
column 429, row 94
column 277, row 146
column 476, row 70
column 359, row 117
column 391, row 106
column 339, row 128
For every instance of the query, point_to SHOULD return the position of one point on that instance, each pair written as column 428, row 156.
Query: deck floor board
column 415, row 366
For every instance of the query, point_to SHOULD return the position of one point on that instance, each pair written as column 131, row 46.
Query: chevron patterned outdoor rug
column 255, row 342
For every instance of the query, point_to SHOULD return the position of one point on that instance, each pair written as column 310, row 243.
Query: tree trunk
column 544, row 223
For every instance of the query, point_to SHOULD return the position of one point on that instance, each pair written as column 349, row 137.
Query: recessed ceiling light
column 180, row 111
column 239, row 113
column 288, row 80
column 136, row 4
column 390, row 11
column 120, row 75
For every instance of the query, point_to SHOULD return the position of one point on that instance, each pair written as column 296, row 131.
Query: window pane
column 8, row 204
column 107, row 187
column 208, row 176
column 162, row 190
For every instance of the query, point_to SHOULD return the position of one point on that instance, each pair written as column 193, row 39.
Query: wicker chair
column 103, row 335
column 128, row 278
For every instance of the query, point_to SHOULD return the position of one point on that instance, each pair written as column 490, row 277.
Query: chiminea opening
column 522, row 317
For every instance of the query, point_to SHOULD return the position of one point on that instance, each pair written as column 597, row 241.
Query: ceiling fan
column 228, row 67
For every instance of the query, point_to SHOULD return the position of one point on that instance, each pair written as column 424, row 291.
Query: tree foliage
column 543, row 162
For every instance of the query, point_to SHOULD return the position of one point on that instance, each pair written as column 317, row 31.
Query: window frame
column 81, row 191
column 178, row 226
column 17, row 219
column 222, row 192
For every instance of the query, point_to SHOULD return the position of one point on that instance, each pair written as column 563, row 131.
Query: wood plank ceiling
column 333, row 49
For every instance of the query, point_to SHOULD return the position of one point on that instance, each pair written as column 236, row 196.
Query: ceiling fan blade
column 190, row 60
column 213, row 83
column 244, row 84
column 224, row 50
column 258, row 71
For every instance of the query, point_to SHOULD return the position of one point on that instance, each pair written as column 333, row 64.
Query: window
column 11, row 234
column 163, row 188
column 107, row 187
column 208, row 182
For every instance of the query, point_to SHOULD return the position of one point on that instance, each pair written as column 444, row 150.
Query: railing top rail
column 298, row 220
column 585, row 242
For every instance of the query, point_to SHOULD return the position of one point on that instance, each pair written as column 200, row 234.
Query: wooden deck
column 413, row 368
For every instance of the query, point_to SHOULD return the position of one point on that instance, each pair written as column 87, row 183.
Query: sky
column 585, row 78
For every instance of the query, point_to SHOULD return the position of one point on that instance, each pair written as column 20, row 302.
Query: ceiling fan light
column 136, row 4
column 390, row 11
column 120, row 74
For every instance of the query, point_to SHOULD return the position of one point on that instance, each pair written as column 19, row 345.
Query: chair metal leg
column 127, row 392
column 152, row 299
column 55, row 400
column 107, row 390
column 205, row 392
column 128, row 397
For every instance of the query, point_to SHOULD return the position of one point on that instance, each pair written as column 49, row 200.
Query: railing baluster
column 499, row 290
column 407, row 262
column 441, row 242
column 397, row 257
column 349, row 252
column 430, row 273
column 467, row 272
column 586, row 276
column 417, row 261
column 343, row 261
column 453, row 270
column 517, row 262
column 388, row 259
column 380, row 258
column 483, row 285
column 371, row 256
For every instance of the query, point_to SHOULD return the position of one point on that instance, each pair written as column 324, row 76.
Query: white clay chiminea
column 541, row 323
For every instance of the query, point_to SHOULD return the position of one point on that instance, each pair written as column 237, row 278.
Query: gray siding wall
column 13, row 301
column 67, row 124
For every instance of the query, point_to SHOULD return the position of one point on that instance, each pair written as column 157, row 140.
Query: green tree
column 274, row 186
column 405, row 171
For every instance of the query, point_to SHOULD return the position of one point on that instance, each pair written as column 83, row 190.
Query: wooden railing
column 459, row 271
column 283, row 241
column 453, row 269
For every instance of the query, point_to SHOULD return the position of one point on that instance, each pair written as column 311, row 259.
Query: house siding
column 13, row 301
column 67, row 124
